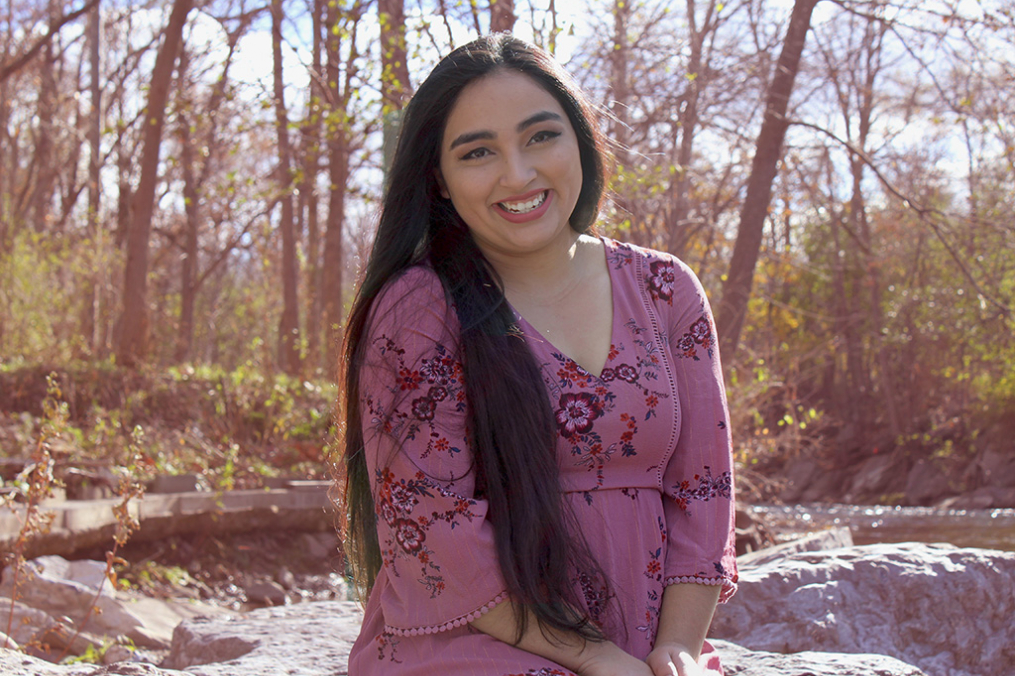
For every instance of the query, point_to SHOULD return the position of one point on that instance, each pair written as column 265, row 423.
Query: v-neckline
column 536, row 334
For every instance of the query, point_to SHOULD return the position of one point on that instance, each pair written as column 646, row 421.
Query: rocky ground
column 161, row 583
column 239, row 572
column 905, row 609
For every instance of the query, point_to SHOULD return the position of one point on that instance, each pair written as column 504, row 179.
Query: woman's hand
column 674, row 660
column 607, row 659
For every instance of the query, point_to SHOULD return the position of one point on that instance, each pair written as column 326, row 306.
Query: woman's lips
column 537, row 202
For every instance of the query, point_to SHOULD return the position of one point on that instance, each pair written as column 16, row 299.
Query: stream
column 988, row 529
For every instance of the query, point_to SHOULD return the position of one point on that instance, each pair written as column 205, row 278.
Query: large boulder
column 314, row 638
column 739, row 661
column 944, row 609
column 56, row 598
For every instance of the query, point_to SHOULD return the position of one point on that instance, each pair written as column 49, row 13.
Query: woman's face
column 510, row 164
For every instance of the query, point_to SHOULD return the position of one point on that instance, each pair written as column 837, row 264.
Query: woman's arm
column 585, row 658
column 683, row 623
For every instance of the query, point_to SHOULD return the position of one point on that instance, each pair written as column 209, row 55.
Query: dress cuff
column 729, row 585
column 450, row 624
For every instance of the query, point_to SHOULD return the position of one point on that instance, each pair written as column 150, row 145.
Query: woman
column 537, row 457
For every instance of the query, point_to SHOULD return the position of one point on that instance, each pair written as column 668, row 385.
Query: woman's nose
column 518, row 170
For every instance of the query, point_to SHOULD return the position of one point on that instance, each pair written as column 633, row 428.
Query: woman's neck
column 549, row 275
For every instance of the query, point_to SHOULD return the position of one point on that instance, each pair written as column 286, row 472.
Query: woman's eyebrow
column 542, row 116
column 471, row 136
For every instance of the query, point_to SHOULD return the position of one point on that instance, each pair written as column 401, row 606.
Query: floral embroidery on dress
column 446, row 382
column 707, row 489
column 577, row 411
column 654, row 572
column 662, row 280
column 700, row 334
column 596, row 597
column 396, row 499
column 545, row 671
column 388, row 640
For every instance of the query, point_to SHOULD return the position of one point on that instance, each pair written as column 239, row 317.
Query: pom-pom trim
column 451, row 624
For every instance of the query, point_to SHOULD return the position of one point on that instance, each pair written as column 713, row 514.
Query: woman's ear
column 441, row 184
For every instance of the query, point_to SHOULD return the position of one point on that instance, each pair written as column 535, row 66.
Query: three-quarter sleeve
column 698, row 480
column 440, row 567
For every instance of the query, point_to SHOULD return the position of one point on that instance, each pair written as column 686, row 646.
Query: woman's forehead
column 499, row 102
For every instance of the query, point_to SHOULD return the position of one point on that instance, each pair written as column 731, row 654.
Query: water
column 988, row 528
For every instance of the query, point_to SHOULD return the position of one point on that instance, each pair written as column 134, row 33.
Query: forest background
column 188, row 192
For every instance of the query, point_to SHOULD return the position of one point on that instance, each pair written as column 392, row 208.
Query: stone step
column 80, row 524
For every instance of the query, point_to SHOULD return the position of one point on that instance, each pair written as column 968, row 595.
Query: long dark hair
column 511, row 426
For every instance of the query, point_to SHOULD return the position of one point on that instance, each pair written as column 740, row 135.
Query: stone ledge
column 82, row 524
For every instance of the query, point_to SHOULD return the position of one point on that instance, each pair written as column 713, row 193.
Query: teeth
column 523, row 207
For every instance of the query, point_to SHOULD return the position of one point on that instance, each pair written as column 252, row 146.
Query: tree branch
column 9, row 69
column 925, row 213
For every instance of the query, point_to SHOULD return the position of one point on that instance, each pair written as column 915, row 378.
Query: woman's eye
column 541, row 136
column 476, row 154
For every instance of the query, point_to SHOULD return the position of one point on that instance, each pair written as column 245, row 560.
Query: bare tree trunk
column 740, row 278
column 502, row 16
column 395, row 73
column 94, row 284
column 191, row 206
column 6, row 153
column 288, row 326
column 311, row 134
column 338, row 171
column 132, row 346
column 676, row 237
column 872, row 45
column 620, row 86
column 394, row 61
column 844, row 321
column 40, row 213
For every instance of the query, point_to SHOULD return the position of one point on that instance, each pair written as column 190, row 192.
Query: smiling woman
column 537, row 455
column 510, row 166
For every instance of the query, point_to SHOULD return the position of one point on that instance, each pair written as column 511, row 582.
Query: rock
column 260, row 643
column 117, row 653
column 318, row 546
column 944, row 609
column 752, row 532
column 285, row 578
column 832, row 538
column 739, row 661
column 925, row 483
column 825, row 488
column 91, row 574
column 27, row 623
column 178, row 483
column 998, row 467
column 13, row 663
column 47, row 583
column 52, row 589
column 266, row 591
column 986, row 497
column 876, row 475
column 799, row 474
column 6, row 640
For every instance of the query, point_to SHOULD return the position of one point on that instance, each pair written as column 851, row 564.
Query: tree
column 340, row 71
column 133, row 327
column 768, row 151
column 502, row 16
column 288, row 327
column 310, row 139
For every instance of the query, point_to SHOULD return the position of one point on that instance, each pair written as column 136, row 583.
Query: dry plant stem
column 40, row 483
column 125, row 525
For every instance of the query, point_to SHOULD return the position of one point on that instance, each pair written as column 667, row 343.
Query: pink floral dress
column 645, row 461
